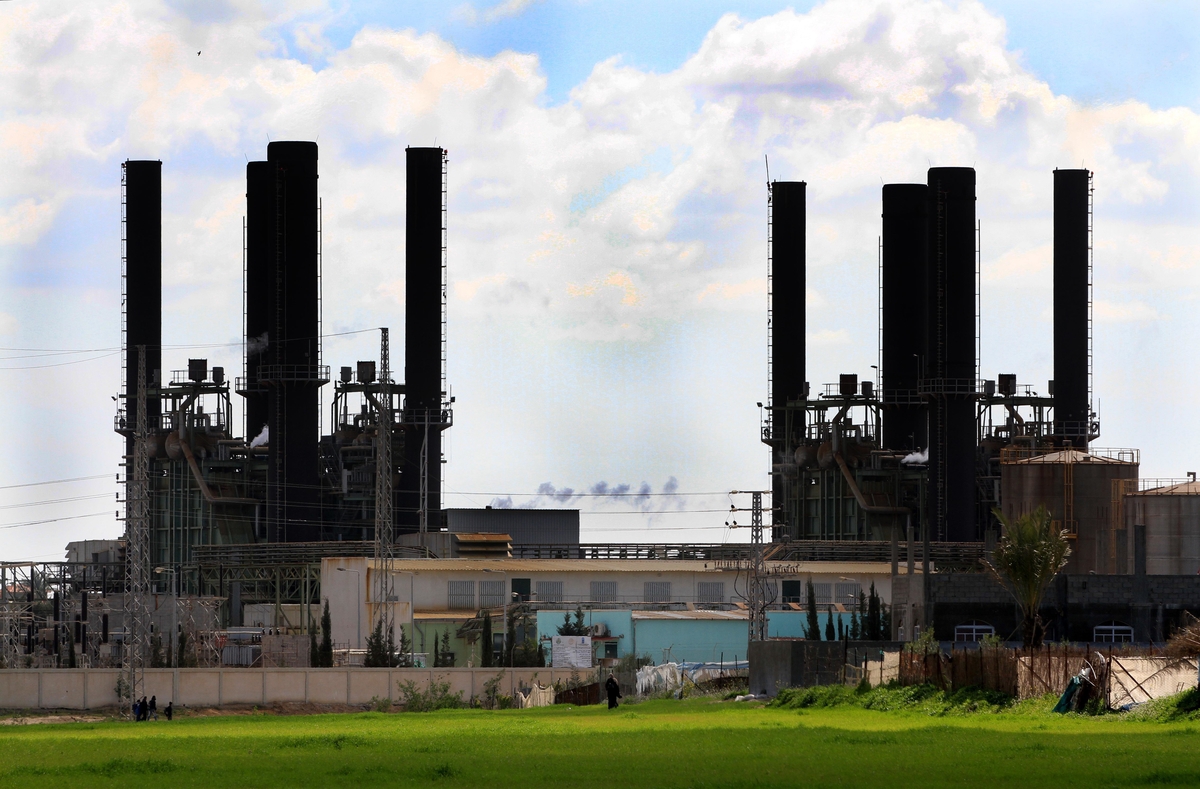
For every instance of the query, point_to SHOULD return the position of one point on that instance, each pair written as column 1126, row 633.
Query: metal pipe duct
column 950, row 352
column 905, row 260
column 143, row 283
column 1071, row 395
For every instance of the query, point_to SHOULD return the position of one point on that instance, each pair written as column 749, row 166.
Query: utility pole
column 137, row 548
column 384, row 522
column 757, row 592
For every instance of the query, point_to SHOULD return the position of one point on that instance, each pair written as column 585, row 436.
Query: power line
column 54, row 481
column 568, row 497
column 53, row 520
column 54, row 501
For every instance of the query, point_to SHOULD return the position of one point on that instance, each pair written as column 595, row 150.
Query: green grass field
column 691, row 743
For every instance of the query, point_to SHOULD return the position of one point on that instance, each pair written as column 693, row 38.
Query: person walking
column 153, row 709
column 169, row 710
column 137, row 710
column 614, row 690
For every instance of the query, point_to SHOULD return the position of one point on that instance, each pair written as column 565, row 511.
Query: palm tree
column 1026, row 559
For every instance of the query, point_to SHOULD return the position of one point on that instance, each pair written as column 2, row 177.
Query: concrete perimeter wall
column 83, row 689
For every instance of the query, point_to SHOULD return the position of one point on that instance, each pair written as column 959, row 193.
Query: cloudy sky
column 607, row 216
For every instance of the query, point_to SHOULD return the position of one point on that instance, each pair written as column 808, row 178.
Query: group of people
column 148, row 710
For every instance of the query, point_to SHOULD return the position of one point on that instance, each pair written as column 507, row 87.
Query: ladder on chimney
column 1087, row 434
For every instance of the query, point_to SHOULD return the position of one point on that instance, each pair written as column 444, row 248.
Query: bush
column 918, row 698
column 380, row 704
column 436, row 697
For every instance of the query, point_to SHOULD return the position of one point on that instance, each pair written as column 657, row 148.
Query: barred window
column 824, row 593
column 462, row 594
column 710, row 592
column 847, row 594
column 604, row 591
column 550, row 591
column 658, row 592
column 491, row 594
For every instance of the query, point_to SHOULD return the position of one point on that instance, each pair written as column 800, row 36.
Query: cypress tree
column 437, row 654
column 829, row 634
column 841, row 631
column 874, row 631
column 447, row 657
column 485, row 657
column 813, row 628
column 326, row 647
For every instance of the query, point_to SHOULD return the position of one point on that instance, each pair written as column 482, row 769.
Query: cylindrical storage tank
column 1071, row 397
column 143, row 283
column 950, row 351
column 424, row 316
column 1077, row 488
column 905, row 258
column 1171, row 515
column 260, row 282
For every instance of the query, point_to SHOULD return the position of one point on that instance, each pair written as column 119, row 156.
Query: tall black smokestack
column 950, row 352
column 1071, row 396
column 260, row 280
column 787, row 286
column 905, row 260
column 143, row 285
column 292, row 367
column 424, row 319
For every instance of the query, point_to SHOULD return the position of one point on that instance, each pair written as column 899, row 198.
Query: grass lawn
column 691, row 743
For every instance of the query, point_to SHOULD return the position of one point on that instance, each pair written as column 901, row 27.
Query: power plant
column 893, row 479
column 929, row 450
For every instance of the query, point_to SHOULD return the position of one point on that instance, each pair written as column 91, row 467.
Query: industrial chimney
column 259, row 281
column 950, row 352
column 905, row 260
column 786, row 328
column 143, row 285
column 420, row 485
column 1072, row 192
column 291, row 368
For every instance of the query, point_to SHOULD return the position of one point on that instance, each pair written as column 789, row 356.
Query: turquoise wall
column 686, row 640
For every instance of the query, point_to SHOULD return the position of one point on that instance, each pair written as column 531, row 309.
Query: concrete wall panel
column 199, row 687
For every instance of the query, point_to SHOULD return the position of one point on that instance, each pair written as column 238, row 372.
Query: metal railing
column 294, row 373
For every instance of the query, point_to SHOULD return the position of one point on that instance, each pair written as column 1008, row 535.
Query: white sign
column 571, row 652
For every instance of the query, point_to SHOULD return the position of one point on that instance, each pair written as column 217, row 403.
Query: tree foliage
column 813, row 626
column 1029, row 554
column 325, row 650
column 830, row 635
column 485, row 641
column 576, row 628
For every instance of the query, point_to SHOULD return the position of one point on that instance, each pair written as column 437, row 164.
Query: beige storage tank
column 1171, row 515
column 1077, row 487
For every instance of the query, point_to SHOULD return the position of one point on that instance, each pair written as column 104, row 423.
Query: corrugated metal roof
column 1181, row 489
column 1072, row 456
column 692, row 616
column 511, row 566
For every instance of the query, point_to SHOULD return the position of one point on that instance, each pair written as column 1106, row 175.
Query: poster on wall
column 571, row 652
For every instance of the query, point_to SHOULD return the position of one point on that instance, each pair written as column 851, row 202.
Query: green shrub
column 918, row 698
column 436, row 697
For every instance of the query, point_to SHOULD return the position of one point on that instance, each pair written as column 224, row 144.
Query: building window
column 1113, row 633
column 604, row 591
column 462, row 595
column 550, row 591
column 824, row 593
column 710, row 592
column 847, row 594
column 793, row 591
column 973, row 631
column 658, row 592
column 491, row 594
